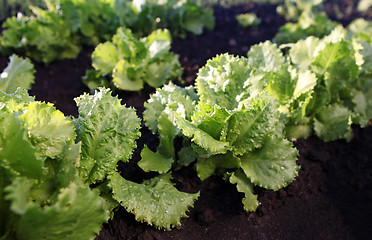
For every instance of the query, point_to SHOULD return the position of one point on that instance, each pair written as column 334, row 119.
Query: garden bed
column 330, row 199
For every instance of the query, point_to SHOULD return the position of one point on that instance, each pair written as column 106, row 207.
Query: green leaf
column 272, row 166
column 154, row 161
column 158, row 70
column 337, row 65
column 198, row 136
column 18, row 74
column 332, row 122
column 206, row 167
column 107, row 131
column 266, row 56
column 127, row 76
column 159, row 42
column 211, row 120
column 18, row 194
column 302, row 53
column 167, row 133
column 222, row 81
column 105, row 57
column 16, row 150
column 244, row 185
column 155, row 201
column 169, row 93
column 77, row 214
column 48, row 129
column 248, row 127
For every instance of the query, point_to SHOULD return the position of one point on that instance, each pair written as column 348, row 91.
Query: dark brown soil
column 331, row 198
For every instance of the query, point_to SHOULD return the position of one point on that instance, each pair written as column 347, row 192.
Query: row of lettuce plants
column 62, row 29
column 58, row 174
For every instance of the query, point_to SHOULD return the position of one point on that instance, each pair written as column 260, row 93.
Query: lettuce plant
column 131, row 62
column 310, row 20
column 48, row 163
column 230, row 126
column 322, row 85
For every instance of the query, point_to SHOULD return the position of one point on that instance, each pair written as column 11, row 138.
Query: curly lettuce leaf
column 222, row 81
column 244, row 185
column 273, row 166
column 169, row 93
column 336, row 65
column 49, row 130
column 198, row 136
column 151, row 161
column 16, row 150
column 105, row 57
column 302, row 53
column 78, row 213
column 248, row 127
column 155, row 201
column 107, row 131
column 18, row 74
column 333, row 122
column 266, row 56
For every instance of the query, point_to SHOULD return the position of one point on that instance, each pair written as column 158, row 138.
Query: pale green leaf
column 18, row 194
column 18, row 74
column 169, row 93
column 155, row 201
column 108, row 132
column 48, row 129
column 302, row 53
column 222, row 81
column 337, row 65
column 266, row 56
column 211, row 120
column 16, row 150
column 127, row 76
column 332, row 122
column 272, row 166
column 105, row 57
column 77, row 214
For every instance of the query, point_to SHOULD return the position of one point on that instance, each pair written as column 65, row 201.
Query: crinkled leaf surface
column 155, row 201
column 265, row 56
column 18, row 74
column 77, row 214
column 272, row 166
column 248, row 127
column 127, row 76
column 198, row 136
column 337, row 64
column 107, row 130
column 302, row 53
column 333, row 122
column 244, row 185
column 212, row 120
column 169, row 93
column 48, row 129
column 16, row 150
column 222, row 81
